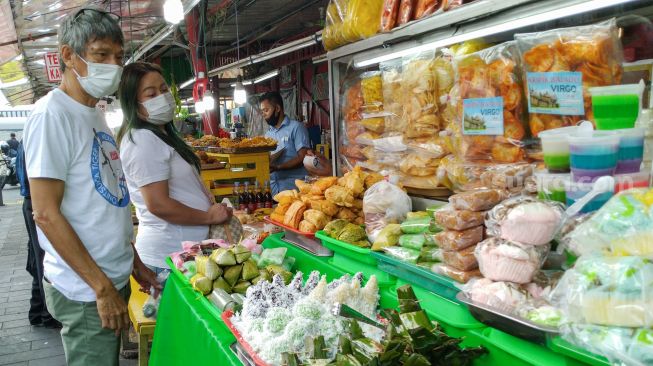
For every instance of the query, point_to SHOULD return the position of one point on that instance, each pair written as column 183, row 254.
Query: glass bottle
column 243, row 200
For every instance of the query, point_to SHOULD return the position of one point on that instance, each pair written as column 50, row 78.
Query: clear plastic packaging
column 456, row 275
column 431, row 254
column 406, row 11
column 463, row 260
column 457, row 240
column 349, row 21
column 371, row 86
column 501, row 260
column 416, row 225
column 425, row 8
column 403, row 254
column 390, row 15
column 610, row 291
column 507, row 176
column 622, row 346
column 452, row 219
column 384, row 203
column 391, row 77
column 420, row 105
column 412, row 241
column 525, row 220
column 623, row 226
column 593, row 50
column 504, row 296
column 478, row 200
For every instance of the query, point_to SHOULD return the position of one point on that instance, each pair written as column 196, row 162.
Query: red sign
column 52, row 68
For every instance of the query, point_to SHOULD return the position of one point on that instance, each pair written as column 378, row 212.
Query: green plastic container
column 416, row 275
column 351, row 259
column 563, row 347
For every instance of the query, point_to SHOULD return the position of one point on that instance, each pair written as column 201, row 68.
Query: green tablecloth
column 189, row 329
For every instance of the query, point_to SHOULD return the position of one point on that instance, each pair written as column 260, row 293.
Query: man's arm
column 292, row 163
column 47, row 195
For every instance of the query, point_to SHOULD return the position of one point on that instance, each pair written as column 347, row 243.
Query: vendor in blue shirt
column 290, row 135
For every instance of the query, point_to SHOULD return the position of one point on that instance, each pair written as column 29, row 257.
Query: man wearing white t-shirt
column 79, row 194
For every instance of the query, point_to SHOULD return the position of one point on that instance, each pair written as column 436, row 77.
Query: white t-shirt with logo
column 147, row 159
column 71, row 142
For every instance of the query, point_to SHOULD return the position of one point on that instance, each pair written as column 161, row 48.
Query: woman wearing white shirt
column 162, row 172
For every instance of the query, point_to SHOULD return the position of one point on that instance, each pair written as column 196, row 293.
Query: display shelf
column 260, row 172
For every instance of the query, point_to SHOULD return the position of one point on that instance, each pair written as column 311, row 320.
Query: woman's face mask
column 101, row 79
column 160, row 109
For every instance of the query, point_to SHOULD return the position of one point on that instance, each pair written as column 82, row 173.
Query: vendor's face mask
column 274, row 119
column 160, row 109
column 101, row 79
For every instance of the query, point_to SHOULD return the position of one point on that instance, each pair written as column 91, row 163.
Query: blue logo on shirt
column 104, row 165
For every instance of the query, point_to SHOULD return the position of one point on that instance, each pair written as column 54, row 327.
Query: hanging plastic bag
column 425, row 8
column 390, row 14
column 384, row 203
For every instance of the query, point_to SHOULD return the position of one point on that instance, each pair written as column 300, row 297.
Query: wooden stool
column 143, row 325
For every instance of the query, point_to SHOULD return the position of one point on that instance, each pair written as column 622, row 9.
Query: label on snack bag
column 483, row 116
column 555, row 93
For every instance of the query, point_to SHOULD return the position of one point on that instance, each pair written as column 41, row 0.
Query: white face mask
column 101, row 79
column 160, row 109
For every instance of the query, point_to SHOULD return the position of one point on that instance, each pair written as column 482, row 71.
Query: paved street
column 20, row 343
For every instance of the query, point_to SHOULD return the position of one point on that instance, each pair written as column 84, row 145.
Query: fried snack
column 372, row 92
column 282, row 208
column 286, row 196
column 317, row 218
column 354, row 181
column 340, row 196
column 346, row 214
column 458, row 240
column 419, row 165
column 277, row 217
column 372, row 178
column 322, row 185
column 452, row 219
column 359, row 221
column 329, row 208
column 304, row 188
column 294, row 214
column 358, row 205
column 376, row 124
column 307, row 227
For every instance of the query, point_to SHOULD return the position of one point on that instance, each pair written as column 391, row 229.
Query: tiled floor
column 20, row 343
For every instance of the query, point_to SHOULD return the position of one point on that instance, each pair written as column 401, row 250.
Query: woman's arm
column 158, row 202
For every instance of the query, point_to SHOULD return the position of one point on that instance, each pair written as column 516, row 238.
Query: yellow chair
column 143, row 325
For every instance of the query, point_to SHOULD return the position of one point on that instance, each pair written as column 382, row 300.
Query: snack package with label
column 384, row 203
column 457, row 240
column 582, row 56
column 478, row 200
column 609, row 291
column 525, row 220
column 491, row 106
column 621, row 346
column 455, row 274
column 420, row 107
column 623, row 226
column 463, row 260
column 502, row 260
column 452, row 219
column 349, row 21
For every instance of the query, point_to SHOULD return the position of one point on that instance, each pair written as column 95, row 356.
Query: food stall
column 459, row 199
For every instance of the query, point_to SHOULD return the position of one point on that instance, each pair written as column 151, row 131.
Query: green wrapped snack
column 416, row 226
column 223, row 257
column 426, row 265
column 207, row 267
column 273, row 256
column 265, row 274
column 232, row 274
column 417, row 215
column 431, row 254
column 241, row 287
column 412, row 241
column 334, row 228
column 317, row 349
column 290, row 359
column 288, row 263
column 352, row 233
column 220, row 283
column 387, row 237
column 190, row 269
column 362, row 243
column 255, row 257
column 402, row 254
column 250, row 270
column 201, row 283
column 366, row 350
column 242, row 254
column 278, row 270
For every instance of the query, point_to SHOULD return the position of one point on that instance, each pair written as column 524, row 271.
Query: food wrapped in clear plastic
column 458, row 240
column 525, row 220
column 504, row 296
column 610, row 291
column 420, row 97
column 403, row 254
column 406, row 11
column 412, row 241
column 425, row 8
column 417, row 225
column 507, row 176
column 349, row 21
column 428, row 182
column 463, row 260
column 623, row 226
column 371, row 85
column 478, row 200
column 419, row 165
column 455, row 274
column 390, row 15
column 384, row 203
column 452, row 219
column 622, row 346
column 583, row 56
column 431, row 254
column 391, row 77
column 502, row 260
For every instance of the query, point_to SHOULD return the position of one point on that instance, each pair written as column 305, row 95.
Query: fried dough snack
column 294, row 214
column 340, row 196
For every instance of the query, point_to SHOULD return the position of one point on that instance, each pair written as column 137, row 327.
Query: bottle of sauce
column 260, row 197
column 251, row 198
column 268, row 195
column 236, row 194
column 243, row 198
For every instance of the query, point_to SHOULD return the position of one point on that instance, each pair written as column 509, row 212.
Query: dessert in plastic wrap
column 525, row 220
column 452, row 219
column 593, row 51
column 502, row 260
column 504, row 296
column 482, row 78
column 463, row 260
column 455, row 274
column 349, row 21
column 478, row 200
column 623, row 226
column 458, row 240
column 610, row 291
column 384, row 203
column 622, row 346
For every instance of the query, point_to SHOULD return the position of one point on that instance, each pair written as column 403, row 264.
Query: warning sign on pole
column 52, row 68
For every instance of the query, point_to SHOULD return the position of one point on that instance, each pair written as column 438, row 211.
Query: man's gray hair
column 87, row 25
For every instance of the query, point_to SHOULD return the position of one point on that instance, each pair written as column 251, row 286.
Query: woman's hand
column 219, row 213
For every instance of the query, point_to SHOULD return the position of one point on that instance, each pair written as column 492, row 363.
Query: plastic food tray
column 508, row 323
column 226, row 317
column 414, row 274
column 241, row 150
column 357, row 253
column 288, row 228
